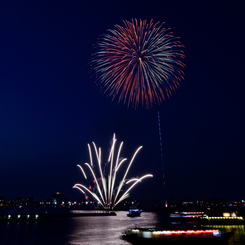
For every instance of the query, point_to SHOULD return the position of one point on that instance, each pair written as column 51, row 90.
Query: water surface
column 86, row 230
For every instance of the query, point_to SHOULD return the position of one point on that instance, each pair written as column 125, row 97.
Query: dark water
column 87, row 230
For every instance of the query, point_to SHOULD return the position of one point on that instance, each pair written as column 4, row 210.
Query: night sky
column 50, row 107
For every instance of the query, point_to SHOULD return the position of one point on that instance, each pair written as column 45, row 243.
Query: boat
column 225, row 219
column 187, row 216
column 154, row 236
column 20, row 216
column 207, row 219
column 24, row 217
column 134, row 212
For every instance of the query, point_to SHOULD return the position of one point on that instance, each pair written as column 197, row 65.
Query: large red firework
column 140, row 63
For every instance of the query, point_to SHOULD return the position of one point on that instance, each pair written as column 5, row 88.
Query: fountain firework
column 108, row 193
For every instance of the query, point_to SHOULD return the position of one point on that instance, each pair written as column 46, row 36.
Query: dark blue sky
column 50, row 108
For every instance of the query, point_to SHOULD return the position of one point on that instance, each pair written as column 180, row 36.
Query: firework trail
column 107, row 195
column 140, row 63
column 161, row 150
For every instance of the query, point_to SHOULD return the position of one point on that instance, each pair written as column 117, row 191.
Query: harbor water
column 89, row 230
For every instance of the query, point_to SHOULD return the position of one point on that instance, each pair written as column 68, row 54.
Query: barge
column 222, row 220
column 21, row 216
column 187, row 216
column 154, row 236
column 24, row 217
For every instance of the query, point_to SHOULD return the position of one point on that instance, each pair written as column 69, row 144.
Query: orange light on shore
column 226, row 214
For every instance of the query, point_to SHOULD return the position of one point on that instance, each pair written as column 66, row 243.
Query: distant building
column 57, row 199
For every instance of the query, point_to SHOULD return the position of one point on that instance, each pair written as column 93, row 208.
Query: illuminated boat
column 187, row 216
column 226, row 219
column 153, row 236
column 24, row 217
column 134, row 212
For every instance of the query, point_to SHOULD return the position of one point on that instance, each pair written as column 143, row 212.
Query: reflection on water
column 89, row 230
column 107, row 230
column 238, row 236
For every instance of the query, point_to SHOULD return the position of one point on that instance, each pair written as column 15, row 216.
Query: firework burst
column 140, row 63
column 106, row 191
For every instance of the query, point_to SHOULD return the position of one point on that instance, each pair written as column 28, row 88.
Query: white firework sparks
column 108, row 193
